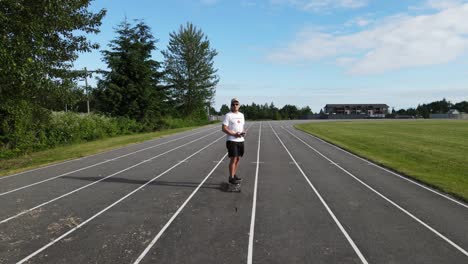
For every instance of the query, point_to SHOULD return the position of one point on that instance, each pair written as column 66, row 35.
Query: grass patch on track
column 63, row 153
column 434, row 152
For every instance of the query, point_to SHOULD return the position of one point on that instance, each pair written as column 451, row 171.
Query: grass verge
column 431, row 151
column 63, row 153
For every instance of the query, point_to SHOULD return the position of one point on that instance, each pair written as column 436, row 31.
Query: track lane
column 54, row 219
column 25, row 200
column 37, row 176
column 442, row 214
column 116, row 235
column 293, row 226
column 383, row 231
column 214, row 226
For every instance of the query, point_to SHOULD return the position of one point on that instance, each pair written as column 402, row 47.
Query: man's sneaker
column 232, row 180
column 237, row 179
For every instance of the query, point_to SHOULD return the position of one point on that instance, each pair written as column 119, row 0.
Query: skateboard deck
column 234, row 187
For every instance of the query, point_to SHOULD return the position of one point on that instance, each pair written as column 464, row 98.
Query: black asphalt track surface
column 165, row 201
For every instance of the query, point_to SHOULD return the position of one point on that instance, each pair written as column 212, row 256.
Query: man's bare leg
column 233, row 166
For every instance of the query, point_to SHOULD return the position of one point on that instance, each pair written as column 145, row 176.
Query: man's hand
column 240, row 134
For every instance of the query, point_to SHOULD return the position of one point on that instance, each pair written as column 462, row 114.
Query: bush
column 170, row 122
column 25, row 128
column 67, row 128
column 21, row 127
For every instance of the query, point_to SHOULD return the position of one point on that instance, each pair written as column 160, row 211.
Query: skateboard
column 234, row 187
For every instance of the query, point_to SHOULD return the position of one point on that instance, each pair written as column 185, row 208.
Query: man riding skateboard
column 233, row 126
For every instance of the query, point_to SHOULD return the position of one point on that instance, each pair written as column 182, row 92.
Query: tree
column 462, row 106
column 423, row 111
column 189, row 71
column 39, row 40
column 131, row 87
column 305, row 112
column 212, row 111
column 289, row 112
column 440, row 107
column 224, row 109
column 274, row 112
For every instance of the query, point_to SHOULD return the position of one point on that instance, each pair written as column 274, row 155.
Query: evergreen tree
column 189, row 71
column 289, row 112
column 440, row 107
column 224, row 109
column 274, row 112
column 423, row 111
column 462, row 106
column 305, row 112
column 131, row 87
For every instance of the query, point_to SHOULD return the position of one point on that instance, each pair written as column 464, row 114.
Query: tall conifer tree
column 131, row 87
column 189, row 71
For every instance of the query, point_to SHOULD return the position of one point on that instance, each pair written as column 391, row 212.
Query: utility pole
column 86, row 88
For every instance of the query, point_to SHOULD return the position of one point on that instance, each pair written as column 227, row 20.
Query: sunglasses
column 235, row 104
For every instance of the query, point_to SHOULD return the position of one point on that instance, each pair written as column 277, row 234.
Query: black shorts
column 235, row 149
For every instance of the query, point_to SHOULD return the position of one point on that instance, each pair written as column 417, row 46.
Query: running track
column 302, row 201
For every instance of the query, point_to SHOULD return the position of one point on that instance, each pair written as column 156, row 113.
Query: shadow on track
column 222, row 186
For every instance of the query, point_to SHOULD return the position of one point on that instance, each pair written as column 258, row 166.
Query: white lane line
column 156, row 238
column 94, row 165
column 387, row 199
column 351, row 242
column 110, row 206
column 254, row 203
column 389, row 171
column 90, row 184
column 67, row 161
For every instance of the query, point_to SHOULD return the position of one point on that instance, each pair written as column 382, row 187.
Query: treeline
column 40, row 40
column 437, row 107
column 265, row 111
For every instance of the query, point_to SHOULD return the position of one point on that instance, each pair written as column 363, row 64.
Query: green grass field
column 431, row 151
column 46, row 157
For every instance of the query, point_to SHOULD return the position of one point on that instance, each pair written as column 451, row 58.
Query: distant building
column 451, row 114
column 370, row 110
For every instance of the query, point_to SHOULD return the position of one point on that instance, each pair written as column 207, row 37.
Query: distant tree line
column 40, row 40
column 265, row 111
column 437, row 107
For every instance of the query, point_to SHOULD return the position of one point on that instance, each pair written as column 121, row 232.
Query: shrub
column 25, row 128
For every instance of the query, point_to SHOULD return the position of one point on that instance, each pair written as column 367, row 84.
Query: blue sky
column 315, row 52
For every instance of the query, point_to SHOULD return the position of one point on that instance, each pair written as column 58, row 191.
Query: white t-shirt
column 235, row 122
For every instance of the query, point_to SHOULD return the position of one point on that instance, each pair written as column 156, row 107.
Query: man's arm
column 230, row 132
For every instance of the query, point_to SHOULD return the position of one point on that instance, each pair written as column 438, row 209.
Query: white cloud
column 361, row 21
column 443, row 4
column 318, row 5
column 398, row 42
